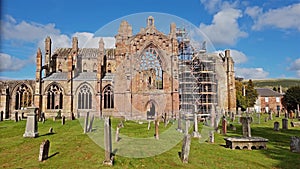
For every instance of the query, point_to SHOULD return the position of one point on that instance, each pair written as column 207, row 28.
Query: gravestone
column 195, row 132
column 224, row 126
column 232, row 127
column 187, row 126
column 43, row 118
column 91, row 124
column 63, row 120
column 211, row 136
column 276, row 126
column 120, row 125
column 16, row 117
column 232, row 117
column 285, row 124
column 31, row 124
column 1, row 116
column 107, row 142
column 185, row 150
column 179, row 127
column 246, row 121
column 271, row 115
column 72, row 116
column 86, row 122
column 44, row 150
column 156, row 135
column 295, row 144
column 149, row 124
column 266, row 119
column 258, row 115
column 50, row 130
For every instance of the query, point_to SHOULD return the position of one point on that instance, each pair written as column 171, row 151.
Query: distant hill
column 271, row 83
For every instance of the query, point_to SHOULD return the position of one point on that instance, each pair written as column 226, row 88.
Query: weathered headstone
column 196, row 134
column 258, row 115
column 120, row 125
column 156, row 130
column 246, row 121
column 91, row 124
column 266, row 119
column 44, row 150
column 16, row 117
column 224, row 126
column 86, row 122
column 43, row 118
column 232, row 127
column 72, row 116
column 50, row 130
column 31, row 124
column 295, row 144
column 271, row 115
column 285, row 124
column 63, row 120
column 1, row 116
column 232, row 117
column 276, row 126
column 107, row 142
column 187, row 126
column 211, row 135
column 149, row 124
column 179, row 128
column 185, row 150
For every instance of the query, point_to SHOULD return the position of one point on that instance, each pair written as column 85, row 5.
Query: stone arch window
column 95, row 67
column 23, row 97
column 84, row 67
column 150, row 66
column 85, row 98
column 54, row 97
column 108, row 93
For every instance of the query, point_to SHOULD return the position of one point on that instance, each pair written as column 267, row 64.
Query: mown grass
column 71, row 148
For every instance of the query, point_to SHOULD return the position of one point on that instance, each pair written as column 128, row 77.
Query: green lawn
column 70, row 148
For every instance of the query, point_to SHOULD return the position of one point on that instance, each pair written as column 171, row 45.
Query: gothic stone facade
column 138, row 76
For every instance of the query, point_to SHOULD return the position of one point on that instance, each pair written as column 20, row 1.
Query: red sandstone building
column 268, row 100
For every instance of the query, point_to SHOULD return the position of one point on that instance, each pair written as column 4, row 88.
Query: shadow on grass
column 53, row 155
column 47, row 134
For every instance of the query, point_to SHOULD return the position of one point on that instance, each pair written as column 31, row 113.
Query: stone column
column 31, row 124
column 107, row 142
column 86, row 122
column 246, row 126
column 195, row 132
column 1, row 116
column 179, row 128
column 63, row 120
column 285, row 124
column 156, row 130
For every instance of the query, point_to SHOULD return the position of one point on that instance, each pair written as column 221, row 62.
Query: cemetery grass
column 70, row 148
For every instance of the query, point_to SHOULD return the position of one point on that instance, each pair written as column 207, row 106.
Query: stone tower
column 48, row 43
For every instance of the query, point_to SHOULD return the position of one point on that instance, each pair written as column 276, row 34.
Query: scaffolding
column 197, row 78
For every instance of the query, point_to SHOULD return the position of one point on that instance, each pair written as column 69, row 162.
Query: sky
column 263, row 36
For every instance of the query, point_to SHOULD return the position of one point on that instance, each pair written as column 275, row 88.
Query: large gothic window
column 54, row 97
column 84, row 98
column 23, row 97
column 108, row 97
column 150, row 66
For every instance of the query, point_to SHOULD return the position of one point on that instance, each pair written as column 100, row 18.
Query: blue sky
column 264, row 36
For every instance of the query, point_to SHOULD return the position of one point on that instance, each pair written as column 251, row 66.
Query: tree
column 240, row 99
column 291, row 99
column 251, row 94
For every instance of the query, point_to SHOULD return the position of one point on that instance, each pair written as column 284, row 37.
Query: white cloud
column 224, row 28
column 12, row 30
column 254, row 11
column 285, row 18
column 295, row 66
column 215, row 5
column 237, row 56
column 10, row 63
column 251, row 73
